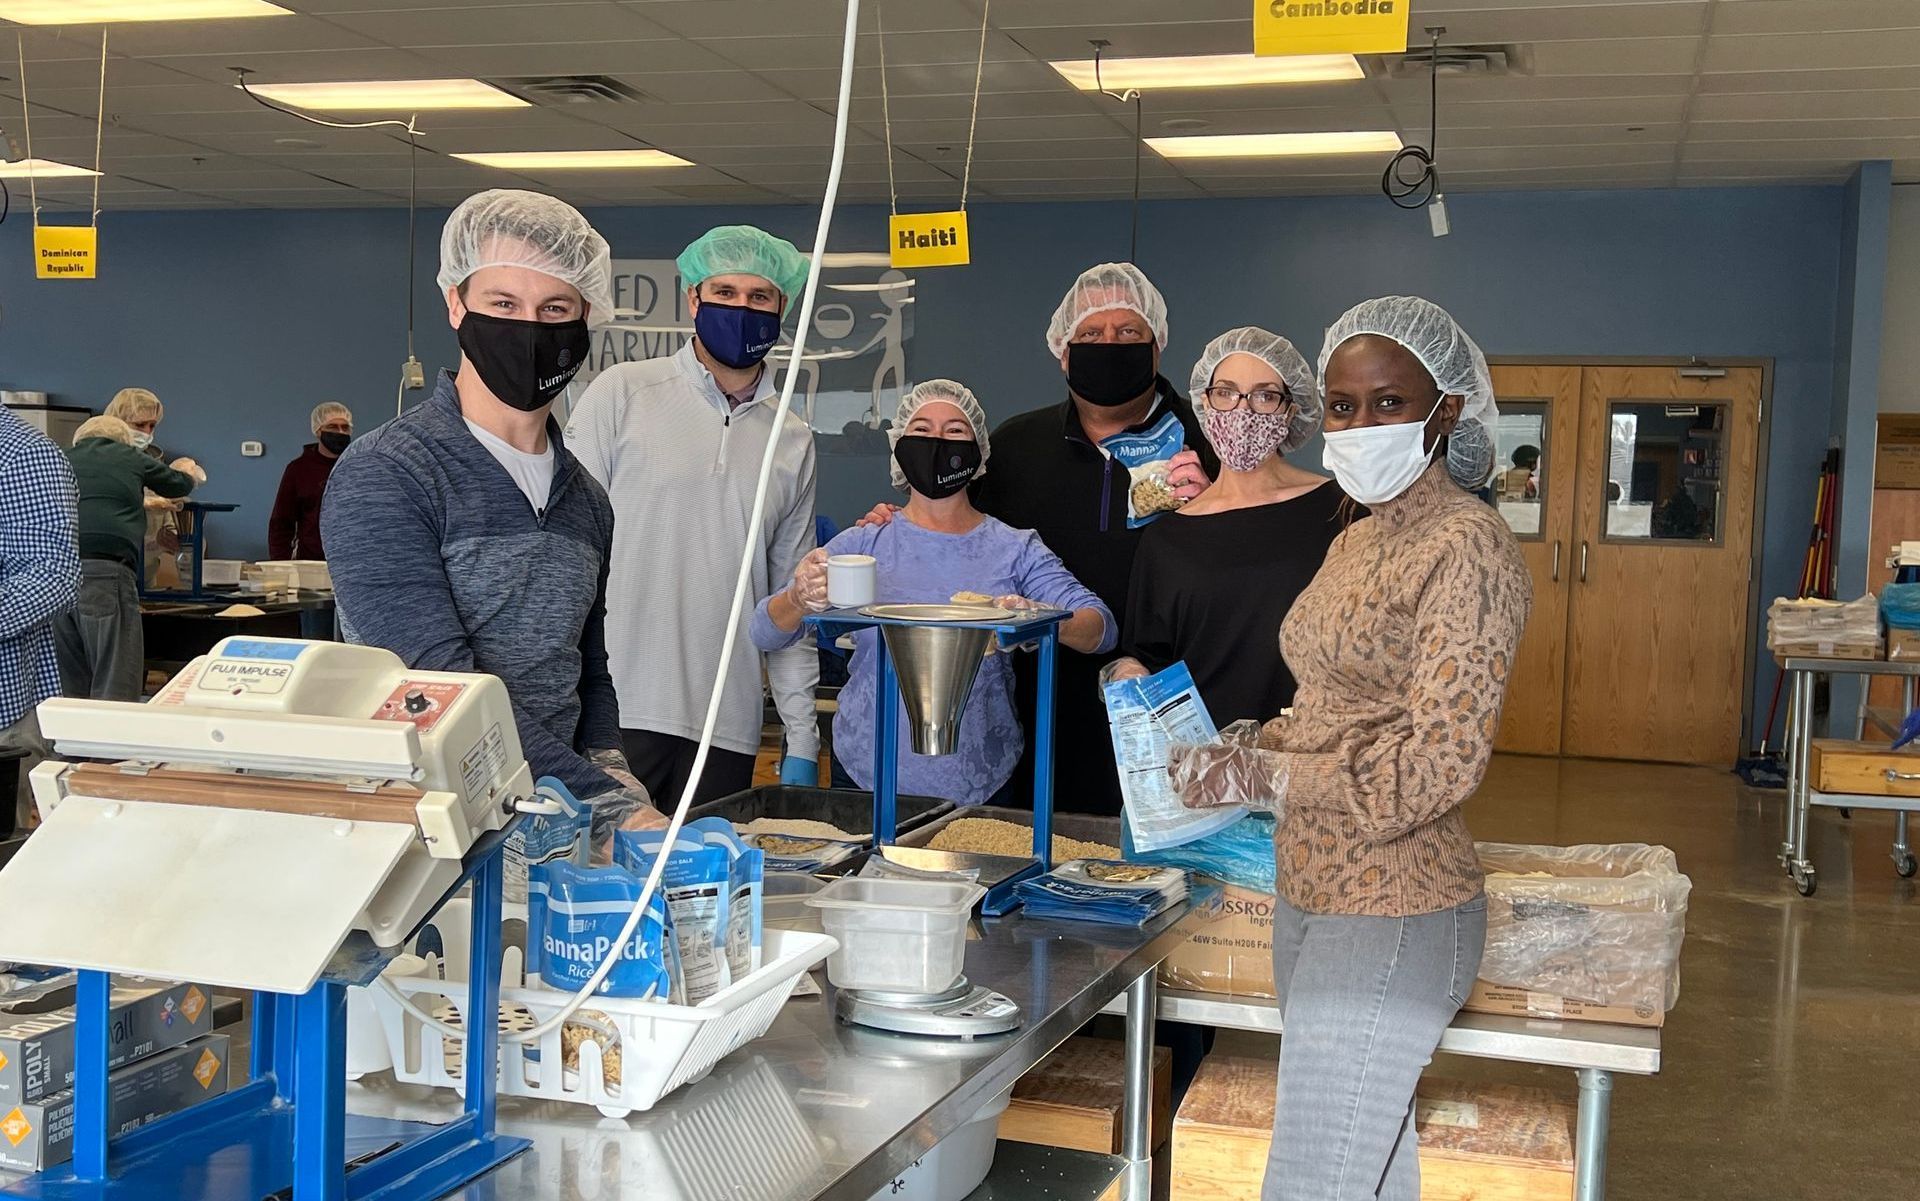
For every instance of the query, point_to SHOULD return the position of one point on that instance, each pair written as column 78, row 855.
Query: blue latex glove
column 797, row 772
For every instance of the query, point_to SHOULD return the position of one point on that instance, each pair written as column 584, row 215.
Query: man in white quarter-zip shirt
column 677, row 442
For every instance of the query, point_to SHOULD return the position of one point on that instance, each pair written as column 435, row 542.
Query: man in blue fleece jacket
column 463, row 536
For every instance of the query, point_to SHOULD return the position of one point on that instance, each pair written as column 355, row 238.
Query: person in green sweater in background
column 98, row 642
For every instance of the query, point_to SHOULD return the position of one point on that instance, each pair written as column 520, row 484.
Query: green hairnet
column 744, row 250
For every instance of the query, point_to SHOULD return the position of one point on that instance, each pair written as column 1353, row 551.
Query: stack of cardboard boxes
column 161, row 1054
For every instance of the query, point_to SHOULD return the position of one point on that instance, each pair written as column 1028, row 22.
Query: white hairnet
column 326, row 411
column 104, row 426
column 506, row 227
column 1277, row 353
column 951, row 392
column 1103, row 289
column 1431, row 334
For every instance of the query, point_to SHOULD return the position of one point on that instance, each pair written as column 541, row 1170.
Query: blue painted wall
column 241, row 321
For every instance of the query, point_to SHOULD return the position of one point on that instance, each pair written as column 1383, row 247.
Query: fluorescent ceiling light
column 1277, row 145
column 1209, row 71
column 42, row 168
column 387, row 95
column 576, row 160
column 98, row 12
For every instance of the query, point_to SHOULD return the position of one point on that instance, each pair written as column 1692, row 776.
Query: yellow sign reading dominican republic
column 928, row 239
column 64, row 251
column 1330, row 26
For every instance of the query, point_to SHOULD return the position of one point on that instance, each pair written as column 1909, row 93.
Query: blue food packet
column 697, row 887
column 540, row 839
column 1145, row 455
column 583, row 911
column 746, row 878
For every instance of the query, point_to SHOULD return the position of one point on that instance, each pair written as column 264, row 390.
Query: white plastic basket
column 657, row 1047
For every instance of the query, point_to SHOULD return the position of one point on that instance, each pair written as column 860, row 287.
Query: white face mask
column 1376, row 463
column 142, row 439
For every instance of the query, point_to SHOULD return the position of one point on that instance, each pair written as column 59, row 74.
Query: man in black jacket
column 1063, row 470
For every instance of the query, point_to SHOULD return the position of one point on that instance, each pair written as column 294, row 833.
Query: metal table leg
column 1136, row 1133
column 1590, row 1136
column 1800, row 784
column 1790, row 743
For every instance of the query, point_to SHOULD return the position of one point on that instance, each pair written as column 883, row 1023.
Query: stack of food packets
column 578, row 914
column 712, row 884
column 1105, row 891
column 802, row 853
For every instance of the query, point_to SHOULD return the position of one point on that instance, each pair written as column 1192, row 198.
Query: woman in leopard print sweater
column 1402, row 646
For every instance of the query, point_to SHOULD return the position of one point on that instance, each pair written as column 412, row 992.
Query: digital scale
column 966, row 1011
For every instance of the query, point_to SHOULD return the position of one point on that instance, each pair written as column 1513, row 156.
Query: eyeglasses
column 1223, row 399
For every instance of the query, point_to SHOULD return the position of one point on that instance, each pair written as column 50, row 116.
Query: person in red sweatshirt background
column 293, row 531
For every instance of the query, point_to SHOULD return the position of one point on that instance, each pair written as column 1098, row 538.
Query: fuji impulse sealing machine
column 280, row 818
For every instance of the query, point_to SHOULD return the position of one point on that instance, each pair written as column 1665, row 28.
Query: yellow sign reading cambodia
column 928, row 239
column 64, row 251
column 1330, row 26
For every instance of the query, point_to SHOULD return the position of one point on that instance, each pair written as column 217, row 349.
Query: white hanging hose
column 740, row 588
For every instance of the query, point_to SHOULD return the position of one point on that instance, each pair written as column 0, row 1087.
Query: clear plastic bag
column 1601, row 924
column 1818, row 622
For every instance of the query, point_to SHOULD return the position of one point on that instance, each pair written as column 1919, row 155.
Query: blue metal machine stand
column 286, row 1135
column 193, row 541
column 1016, row 629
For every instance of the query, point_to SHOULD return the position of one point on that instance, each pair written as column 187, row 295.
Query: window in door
column 1665, row 472
column 1520, row 485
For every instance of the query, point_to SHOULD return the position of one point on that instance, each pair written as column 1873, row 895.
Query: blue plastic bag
column 1900, row 606
column 1240, row 854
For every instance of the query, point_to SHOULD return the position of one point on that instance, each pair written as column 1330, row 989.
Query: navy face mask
column 734, row 334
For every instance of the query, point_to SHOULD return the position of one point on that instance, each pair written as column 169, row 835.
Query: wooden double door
column 1631, row 490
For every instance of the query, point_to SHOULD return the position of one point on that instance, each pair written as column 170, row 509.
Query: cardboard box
column 1902, row 645
column 39, row 1134
column 1896, row 461
column 36, row 1049
column 1502, row 1001
column 1232, row 953
column 1477, row 1142
column 1860, row 652
column 1075, row 1098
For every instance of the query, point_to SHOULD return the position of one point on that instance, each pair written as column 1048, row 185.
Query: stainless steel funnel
column 936, row 664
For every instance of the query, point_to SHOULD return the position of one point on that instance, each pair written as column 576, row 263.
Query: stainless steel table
column 1594, row 1050
column 1795, row 854
column 816, row 1110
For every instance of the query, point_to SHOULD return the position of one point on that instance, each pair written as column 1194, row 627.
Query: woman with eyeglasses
column 1212, row 583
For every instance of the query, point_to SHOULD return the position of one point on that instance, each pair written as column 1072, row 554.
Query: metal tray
column 848, row 808
column 1087, row 827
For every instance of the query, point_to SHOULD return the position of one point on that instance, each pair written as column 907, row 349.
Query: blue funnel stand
column 287, row 1132
column 1014, row 630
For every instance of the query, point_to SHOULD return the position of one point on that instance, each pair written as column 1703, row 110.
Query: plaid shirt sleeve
column 39, row 563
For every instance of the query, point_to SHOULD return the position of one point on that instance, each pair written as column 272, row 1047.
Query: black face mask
column 937, row 468
column 524, row 363
column 1110, row 374
column 334, row 441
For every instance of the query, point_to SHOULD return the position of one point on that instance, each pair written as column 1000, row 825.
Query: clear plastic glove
column 1186, row 477
column 809, row 588
column 1017, row 604
column 1232, row 771
column 162, row 504
column 621, row 809
column 796, row 772
column 186, row 466
column 881, row 515
column 1123, row 668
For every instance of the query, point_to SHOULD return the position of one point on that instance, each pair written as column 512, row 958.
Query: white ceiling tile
column 1820, row 16
column 1792, row 106
column 1619, row 56
column 1834, row 80
column 1473, row 22
column 1786, row 52
column 787, row 18
column 642, row 58
column 1140, row 40
column 1646, row 110
column 515, row 25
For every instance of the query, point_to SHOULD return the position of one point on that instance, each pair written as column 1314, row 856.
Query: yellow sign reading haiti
column 928, row 239
column 64, row 251
column 1330, row 26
